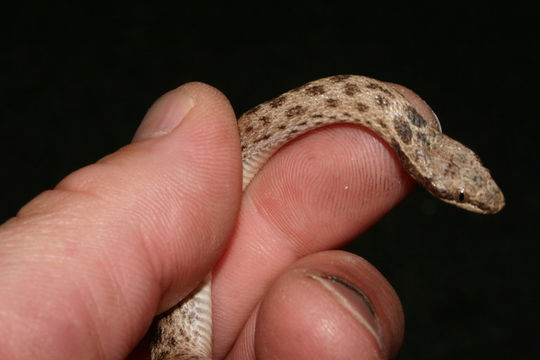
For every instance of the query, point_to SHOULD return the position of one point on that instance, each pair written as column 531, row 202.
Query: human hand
column 85, row 267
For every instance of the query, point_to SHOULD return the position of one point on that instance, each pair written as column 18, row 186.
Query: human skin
column 85, row 267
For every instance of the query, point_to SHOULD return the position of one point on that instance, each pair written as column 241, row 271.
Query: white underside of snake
column 444, row 167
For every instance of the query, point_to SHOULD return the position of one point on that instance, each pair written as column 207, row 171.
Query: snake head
column 487, row 199
column 463, row 181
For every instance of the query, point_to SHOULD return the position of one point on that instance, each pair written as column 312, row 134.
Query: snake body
column 444, row 167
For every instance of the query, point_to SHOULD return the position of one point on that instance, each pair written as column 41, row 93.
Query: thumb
column 86, row 266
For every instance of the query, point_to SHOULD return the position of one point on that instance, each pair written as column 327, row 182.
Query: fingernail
column 165, row 115
column 353, row 300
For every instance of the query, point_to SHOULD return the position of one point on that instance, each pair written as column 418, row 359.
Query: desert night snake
column 444, row 167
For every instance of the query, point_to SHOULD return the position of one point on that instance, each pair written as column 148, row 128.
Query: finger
column 330, row 305
column 316, row 193
column 86, row 266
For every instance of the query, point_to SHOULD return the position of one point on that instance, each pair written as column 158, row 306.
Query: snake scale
column 444, row 167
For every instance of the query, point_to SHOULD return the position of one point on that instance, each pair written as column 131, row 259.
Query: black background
column 75, row 81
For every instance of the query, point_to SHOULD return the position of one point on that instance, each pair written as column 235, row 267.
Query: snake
column 446, row 168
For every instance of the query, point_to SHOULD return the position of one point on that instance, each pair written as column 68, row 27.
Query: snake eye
column 461, row 196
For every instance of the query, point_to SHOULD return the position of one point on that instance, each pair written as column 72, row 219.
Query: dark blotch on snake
column 374, row 86
column 264, row 119
column 295, row 111
column 403, row 129
column 339, row 78
column 422, row 138
column 382, row 101
column 265, row 137
column 362, row 107
column 351, row 89
column 415, row 118
column 277, row 102
column 316, row 90
column 332, row 102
